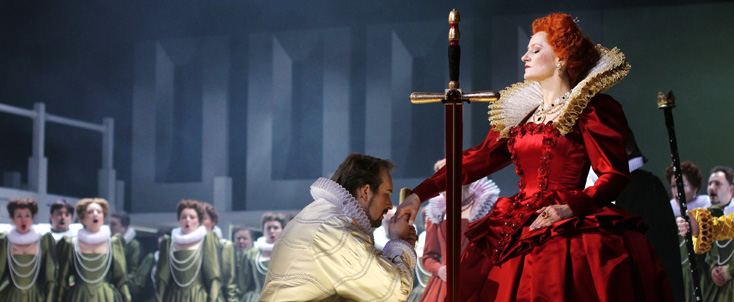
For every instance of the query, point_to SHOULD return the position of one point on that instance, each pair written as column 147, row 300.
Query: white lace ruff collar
column 94, row 238
column 519, row 100
column 181, row 238
column 339, row 196
column 218, row 231
column 129, row 234
column 29, row 237
column 263, row 245
column 484, row 192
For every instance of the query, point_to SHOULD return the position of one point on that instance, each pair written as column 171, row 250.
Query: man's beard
column 373, row 223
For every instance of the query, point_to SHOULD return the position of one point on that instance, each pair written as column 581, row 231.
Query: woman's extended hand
column 410, row 206
column 550, row 215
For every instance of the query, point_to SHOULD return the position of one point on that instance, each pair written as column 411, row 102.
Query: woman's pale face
column 271, row 230
column 188, row 220
column 23, row 219
column 540, row 59
column 93, row 217
column 689, row 191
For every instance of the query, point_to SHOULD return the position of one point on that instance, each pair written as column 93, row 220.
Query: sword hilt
column 454, row 49
column 434, row 97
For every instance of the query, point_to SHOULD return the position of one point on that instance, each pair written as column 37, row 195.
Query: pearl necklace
column 553, row 108
column 80, row 258
column 35, row 261
column 197, row 253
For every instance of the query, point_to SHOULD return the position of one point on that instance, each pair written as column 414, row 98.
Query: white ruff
column 217, row 231
column 483, row 192
column 94, row 238
column 521, row 99
column 129, row 235
column 29, row 237
column 263, row 245
column 339, row 196
column 195, row 236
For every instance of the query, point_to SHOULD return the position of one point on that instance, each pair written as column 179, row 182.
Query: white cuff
column 400, row 251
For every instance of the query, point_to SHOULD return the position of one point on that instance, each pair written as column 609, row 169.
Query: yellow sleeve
column 711, row 229
column 360, row 272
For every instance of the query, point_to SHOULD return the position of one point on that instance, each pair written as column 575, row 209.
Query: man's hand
column 442, row 273
column 718, row 274
column 683, row 226
column 400, row 229
column 409, row 208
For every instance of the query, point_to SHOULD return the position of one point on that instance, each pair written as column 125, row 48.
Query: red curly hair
column 569, row 43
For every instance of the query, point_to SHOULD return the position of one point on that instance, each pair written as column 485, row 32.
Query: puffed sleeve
column 245, row 281
column 50, row 266
column 711, row 229
column 357, row 270
column 432, row 249
column 118, row 269
column 65, row 251
column 210, row 268
column 132, row 256
column 163, row 270
column 3, row 257
column 138, row 282
column 603, row 128
column 228, row 270
column 479, row 161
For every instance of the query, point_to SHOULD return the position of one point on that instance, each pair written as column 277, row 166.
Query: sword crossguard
column 666, row 101
column 454, row 95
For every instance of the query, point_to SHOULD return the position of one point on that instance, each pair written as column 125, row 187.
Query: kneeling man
column 327, row 251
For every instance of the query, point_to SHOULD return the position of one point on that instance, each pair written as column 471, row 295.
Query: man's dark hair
column 359, row 170
column 270, row 216
column 689, row 170
column 123, row 216
column 60, row 204
column 728, row 172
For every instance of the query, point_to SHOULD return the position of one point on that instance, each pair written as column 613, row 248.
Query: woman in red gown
column 478, row 198
column 555, row 240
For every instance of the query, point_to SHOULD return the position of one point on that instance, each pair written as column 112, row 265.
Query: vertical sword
column 453, row 99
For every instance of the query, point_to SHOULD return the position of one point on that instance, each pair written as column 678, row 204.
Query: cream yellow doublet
column 327, row 253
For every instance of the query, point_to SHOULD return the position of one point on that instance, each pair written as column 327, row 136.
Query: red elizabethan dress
column 599, row 254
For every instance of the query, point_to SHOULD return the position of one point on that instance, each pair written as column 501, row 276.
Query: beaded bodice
column 544, row 160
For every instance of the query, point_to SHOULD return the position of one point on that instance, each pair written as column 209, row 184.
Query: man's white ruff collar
column 94, row 238
column 195, row 236
column 29, row 237
column 339, row 196
column 129, row 234
column 263, row 245
column 519, row 100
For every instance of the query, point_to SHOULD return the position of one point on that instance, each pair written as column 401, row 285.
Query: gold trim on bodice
column 521, row 99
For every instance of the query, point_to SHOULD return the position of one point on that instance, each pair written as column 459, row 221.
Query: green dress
column 141, row 283
column 202, row 280
column 132, row 256
column 44, row 288
column 81, row 286
column 721, row 254
column 256, row 271
column 227, row 265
